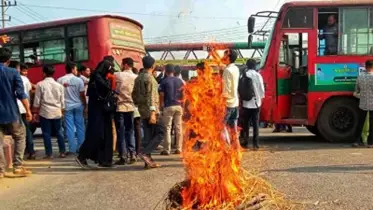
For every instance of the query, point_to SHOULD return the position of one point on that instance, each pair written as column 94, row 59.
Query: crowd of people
column 130, row 111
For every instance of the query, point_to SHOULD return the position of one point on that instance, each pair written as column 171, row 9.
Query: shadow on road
column 328, row 169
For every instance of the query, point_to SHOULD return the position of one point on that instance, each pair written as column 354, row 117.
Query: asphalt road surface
column 309, row 171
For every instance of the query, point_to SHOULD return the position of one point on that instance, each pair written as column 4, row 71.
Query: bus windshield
column 266, row 48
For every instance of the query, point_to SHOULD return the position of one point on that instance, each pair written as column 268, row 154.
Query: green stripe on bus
column 284, row 86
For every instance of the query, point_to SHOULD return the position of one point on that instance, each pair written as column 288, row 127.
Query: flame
column 214, row 171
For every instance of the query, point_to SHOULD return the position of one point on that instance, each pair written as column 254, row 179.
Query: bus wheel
column 313, row 129
column 338, row 120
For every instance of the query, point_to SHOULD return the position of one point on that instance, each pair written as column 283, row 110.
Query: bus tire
column 313, row 129
column 338, row 120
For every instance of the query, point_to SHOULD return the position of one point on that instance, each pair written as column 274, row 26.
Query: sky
column 163, row 20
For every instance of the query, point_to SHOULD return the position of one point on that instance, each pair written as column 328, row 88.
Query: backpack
column 246, row 88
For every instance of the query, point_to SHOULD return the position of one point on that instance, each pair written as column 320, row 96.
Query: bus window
column 77, row 42
column 328, row 26
column 53, row 51
column 298, row 18
column 356, row 31
column 31, row 53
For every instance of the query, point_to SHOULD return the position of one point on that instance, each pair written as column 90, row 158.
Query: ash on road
column 309, row 171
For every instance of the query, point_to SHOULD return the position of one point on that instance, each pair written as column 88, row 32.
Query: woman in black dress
column 98, row 145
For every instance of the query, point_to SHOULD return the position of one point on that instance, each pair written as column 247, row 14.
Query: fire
column 215, row 178
column 214, row 171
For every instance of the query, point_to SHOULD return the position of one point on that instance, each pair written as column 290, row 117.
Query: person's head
column 5, row 55
column 369, row 66
column 177, row 71
column 331, row 20
column 104, row 67
column 85, row 71
column 127, row 63
column 135, row 70
column 148, row 63
column 200, row 66
column 24, row 69
column 71, row 68
column 48, row 71
column 15, row 65
column 230, row 56
column 251, row 64
column 170, row 69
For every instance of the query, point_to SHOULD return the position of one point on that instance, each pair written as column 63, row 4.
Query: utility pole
column 5, row 4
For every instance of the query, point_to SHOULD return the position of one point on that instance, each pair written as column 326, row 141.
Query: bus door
column 292, row 76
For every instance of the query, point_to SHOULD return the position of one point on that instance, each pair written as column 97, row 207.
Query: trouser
column 230, row 120
column 29, row 137
column 74, row 119
column 17, row 131
column 46, row 127
column 173, row 114
column 138, row 136
column 362, row 118
column 250, row 117
column 153, row 135
column 126, row 141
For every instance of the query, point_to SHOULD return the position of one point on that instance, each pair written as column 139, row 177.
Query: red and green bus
column 306, row 86
column 84, row 40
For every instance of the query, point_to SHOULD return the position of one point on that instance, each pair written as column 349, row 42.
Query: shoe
column 177, row 152
column 21, row 171
column 48, row 157
column 132, row 159
column 160, row 147
column 358, row 145
column 62, row 155
column 149, row 162
column 151, row 166
column 120, row 162
column 31, row 156
column 165, row 153
column 82, row 163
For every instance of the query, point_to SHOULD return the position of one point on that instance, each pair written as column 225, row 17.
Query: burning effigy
column 214, row 176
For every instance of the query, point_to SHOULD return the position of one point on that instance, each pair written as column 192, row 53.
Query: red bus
column 304, row 84
column 84, row 40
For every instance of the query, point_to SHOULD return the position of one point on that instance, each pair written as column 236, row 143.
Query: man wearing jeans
column 124, row 115
column 146, row 98
column 11, row 88
column 75, row 107
column 251, row 107
column 49, row 103
column 171, row 95
column 231, row 76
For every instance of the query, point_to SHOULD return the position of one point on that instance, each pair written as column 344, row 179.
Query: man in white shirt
column 231, row 75
column 49, row 103
column 251, row 108
column 125, row 113
column 75, row 106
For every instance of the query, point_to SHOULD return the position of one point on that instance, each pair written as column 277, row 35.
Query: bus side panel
column 98, row 41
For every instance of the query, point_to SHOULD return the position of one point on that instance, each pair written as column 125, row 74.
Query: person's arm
column 161, row 95
column 135, row 92
column 21, row 95
column 261, row 86
column 82, row 93
column 62, row 100
column 37, row 103
column 227, row 83
column 357, row 89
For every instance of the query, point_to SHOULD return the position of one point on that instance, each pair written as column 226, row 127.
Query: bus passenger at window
column 330, row 35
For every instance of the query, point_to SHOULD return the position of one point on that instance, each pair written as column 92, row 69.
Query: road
column 309, row 171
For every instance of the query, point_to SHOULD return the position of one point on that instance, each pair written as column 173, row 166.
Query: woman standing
column 98, row 145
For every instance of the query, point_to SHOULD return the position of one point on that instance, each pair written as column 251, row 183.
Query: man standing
column 49, row 103
column 27, row 87
column 330, row 34
column 146, row 98
column 231, row 76
column 124, row 116
column 11, row 88
column 170, row 91
column 251, row 107
column 364, row 90
column 84, row 74
column 75, row 106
